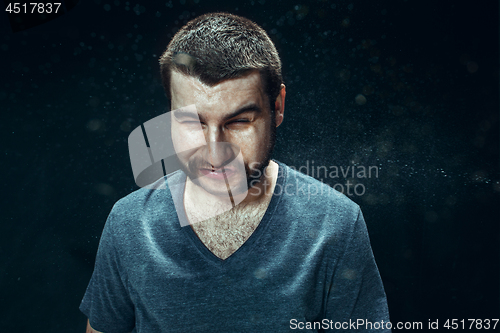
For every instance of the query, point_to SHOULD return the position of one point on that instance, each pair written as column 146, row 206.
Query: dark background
column 73, row 88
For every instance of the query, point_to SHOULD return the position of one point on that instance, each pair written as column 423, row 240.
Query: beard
column 255, row 175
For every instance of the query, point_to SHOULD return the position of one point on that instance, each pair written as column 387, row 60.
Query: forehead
column 226, row 95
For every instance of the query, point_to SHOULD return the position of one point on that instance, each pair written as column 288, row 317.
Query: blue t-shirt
column 307, row 267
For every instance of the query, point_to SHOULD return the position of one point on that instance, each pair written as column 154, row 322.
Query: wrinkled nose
column 220, row 154
column 213, row 151
column 218, row 151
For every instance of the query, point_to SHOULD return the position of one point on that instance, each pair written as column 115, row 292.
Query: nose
column 214, row 133
column 218, row 151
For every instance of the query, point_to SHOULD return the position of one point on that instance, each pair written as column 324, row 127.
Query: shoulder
column 315, row 202
column 309, row 191
column 144, row 202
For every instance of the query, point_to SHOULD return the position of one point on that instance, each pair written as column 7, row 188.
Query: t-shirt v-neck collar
column 246, row 248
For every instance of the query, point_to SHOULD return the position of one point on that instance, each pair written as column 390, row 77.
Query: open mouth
column 217, row 173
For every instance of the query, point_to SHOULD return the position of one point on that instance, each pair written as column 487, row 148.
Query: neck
column 208, row 205
column 265, row 187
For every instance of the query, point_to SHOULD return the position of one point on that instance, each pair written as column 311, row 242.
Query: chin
column 219, row 188
column 213, row 187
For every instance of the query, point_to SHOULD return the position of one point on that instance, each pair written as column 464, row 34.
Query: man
column 278, row 259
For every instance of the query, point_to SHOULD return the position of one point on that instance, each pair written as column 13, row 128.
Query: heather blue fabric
column 309, row 259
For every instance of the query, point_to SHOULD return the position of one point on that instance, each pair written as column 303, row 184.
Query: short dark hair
column 219, row 46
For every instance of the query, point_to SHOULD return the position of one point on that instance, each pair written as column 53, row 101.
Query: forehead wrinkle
column 222, row 96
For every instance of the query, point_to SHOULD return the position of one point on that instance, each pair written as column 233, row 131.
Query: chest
column 225, row 234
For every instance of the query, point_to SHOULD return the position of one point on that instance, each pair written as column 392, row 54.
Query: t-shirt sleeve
column 356, row 298
column 107, row 302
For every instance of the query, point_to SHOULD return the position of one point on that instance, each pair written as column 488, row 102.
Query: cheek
column 253, row 142
column 185, row 138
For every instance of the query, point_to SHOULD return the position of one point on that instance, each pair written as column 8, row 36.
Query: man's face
column 234, row 116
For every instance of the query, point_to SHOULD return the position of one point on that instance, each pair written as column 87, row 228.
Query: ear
column 279, row 106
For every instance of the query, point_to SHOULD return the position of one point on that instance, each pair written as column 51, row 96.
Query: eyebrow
column 181, row 113
column 247, row 108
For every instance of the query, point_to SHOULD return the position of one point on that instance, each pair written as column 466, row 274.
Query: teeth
column 215, row 170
